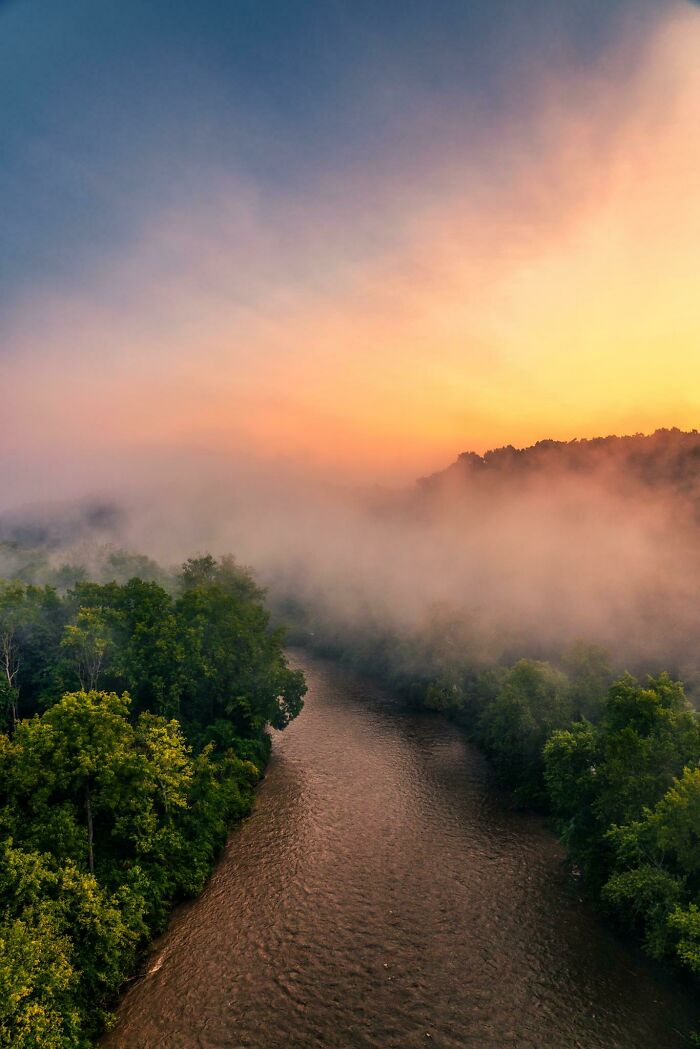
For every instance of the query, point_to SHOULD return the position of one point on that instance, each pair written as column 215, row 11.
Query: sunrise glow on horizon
column 366, row 261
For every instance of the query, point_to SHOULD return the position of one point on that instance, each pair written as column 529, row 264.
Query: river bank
column 381, row 891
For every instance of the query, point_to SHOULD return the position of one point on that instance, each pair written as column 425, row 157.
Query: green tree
column 655, row 885
column 40, row 636
column 68, row 945
column 86, row 641
column 146, row 648
column 530, row 704
column 72, row 765
column 590, row 675
column 234, row 664
column 605, row 775
column 13, row 612
column 684, row 922
column 37, row 1010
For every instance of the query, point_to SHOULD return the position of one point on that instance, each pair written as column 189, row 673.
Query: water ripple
column 383, row 895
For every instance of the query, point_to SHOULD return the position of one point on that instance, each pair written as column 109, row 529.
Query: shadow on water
column 384, row 894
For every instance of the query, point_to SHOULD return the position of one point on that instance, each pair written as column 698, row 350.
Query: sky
column 356, row 237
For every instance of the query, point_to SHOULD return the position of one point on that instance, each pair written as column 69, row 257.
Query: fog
column 595, row 541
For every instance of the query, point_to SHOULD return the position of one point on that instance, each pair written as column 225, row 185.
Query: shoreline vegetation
column 135, row 731
column 613, row 762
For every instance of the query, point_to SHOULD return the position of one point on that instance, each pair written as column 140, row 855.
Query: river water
column 383, row 894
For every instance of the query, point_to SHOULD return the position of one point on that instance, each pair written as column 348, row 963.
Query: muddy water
column 383, row 894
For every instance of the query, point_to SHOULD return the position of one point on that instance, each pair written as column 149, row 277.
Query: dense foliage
column 626, row 796
column 135, row 730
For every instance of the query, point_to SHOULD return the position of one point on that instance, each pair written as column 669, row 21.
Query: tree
column 655, row 885
column 146, row 649
column 67, row 943
column 234, row 664
column 71, row 766
column 590, row 675
column 40, row 638
column 530, row 704
column 12, row 614
column 685, row 923
column 36, row 983
column 605, row 775
column 87, row 641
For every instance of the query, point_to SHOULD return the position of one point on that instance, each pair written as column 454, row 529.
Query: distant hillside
column 664, row 459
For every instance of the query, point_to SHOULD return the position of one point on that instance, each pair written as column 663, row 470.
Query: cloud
column 488, row 284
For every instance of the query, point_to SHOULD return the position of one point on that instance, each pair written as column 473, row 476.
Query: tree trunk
column 10, row 660
column 88, row 809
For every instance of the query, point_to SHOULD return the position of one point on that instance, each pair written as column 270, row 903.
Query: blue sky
column 110, row 107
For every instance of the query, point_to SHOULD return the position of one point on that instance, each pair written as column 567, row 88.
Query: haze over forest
column 528, row 550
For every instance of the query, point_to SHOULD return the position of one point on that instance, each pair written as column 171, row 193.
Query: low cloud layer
column 592, row 541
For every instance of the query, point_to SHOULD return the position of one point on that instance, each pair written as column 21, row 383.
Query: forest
column 136, row 702
column 135, row 729
column 667, row 460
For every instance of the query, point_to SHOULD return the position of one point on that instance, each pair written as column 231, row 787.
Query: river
column 384, row 895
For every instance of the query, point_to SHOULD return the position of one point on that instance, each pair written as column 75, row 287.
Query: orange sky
column 454, row 313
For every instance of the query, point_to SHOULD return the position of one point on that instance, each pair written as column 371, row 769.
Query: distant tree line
column 134, row 731
column 667, row 460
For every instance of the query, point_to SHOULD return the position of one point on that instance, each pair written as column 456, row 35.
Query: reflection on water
column 383, row 894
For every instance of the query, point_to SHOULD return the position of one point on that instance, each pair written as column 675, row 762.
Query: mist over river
column 384, row 895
